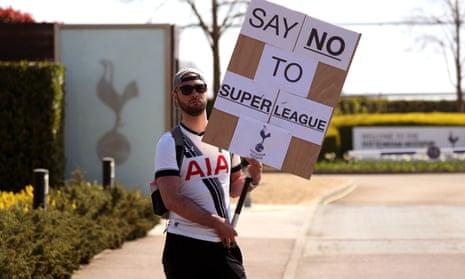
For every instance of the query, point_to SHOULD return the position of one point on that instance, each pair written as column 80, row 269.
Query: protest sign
column 283, row 80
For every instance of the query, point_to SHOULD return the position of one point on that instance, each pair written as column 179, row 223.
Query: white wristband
column 254, row 185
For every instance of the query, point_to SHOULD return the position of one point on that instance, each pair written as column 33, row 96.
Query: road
column 390, row 226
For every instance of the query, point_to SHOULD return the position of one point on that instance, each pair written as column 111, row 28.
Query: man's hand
column 225, row 231
column 254, row 169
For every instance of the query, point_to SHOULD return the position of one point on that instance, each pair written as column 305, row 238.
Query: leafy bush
column 375, row 104
column 31, row 122
column 81, row 220
column 388, row 166
column 9, row 15
column 331, row 142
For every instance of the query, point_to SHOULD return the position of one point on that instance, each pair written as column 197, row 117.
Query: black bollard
column 108, row 165
column 40, row 188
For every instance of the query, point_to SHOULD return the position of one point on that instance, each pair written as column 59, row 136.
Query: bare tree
column 222, row 15
column 450, row 19
column 214, row 20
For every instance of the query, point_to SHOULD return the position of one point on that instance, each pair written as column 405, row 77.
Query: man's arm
column 174, row 200
column 254, row 170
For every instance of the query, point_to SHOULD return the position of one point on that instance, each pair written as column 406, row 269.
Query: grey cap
column 179, row 77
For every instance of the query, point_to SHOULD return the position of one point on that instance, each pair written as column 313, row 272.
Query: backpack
column 157, row 202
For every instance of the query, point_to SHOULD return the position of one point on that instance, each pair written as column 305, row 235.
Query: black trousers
column 188, row 258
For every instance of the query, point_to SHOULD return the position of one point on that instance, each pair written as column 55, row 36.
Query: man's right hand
column 225, row 231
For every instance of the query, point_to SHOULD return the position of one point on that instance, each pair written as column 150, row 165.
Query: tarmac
column 392, row 226
column 271, row 237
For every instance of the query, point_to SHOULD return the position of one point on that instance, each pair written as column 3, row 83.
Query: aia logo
column 204, row 167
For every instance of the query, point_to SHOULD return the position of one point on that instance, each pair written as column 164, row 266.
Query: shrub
column 81, row 220
column 31, row 123
column 9, row 15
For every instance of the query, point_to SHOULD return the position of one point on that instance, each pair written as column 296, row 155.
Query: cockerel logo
column 114, row 144
column 260, row 146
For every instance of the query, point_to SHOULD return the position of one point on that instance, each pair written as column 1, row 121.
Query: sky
column 389, row 59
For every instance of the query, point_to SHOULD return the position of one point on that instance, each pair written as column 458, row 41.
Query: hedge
column 31, row 122
column 81, row 220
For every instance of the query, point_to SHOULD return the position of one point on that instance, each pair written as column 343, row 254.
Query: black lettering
column 273, row 23
column 294, row 116
column 286, row 112
column 312, row 124
column 288, row 28
column 299, row 72
column 260, row 22
column 276, row 111
column 321, row 125
column 255, row 101
column 314, row 36
column 235, row 97
column 341, row 46
column 301, row 119
column 266, row 104
column 277, row 64
column 224, row 90
column 245, row 96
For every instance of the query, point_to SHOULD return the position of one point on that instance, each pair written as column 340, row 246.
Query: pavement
column 271, row 237
column 391, row 226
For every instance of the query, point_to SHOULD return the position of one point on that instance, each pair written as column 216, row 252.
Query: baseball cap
column 179, row 77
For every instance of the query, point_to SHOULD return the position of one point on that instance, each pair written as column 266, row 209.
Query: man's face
column 191, row 96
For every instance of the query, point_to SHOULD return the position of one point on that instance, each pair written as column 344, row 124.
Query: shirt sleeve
column 165, row 157
column 235, row 163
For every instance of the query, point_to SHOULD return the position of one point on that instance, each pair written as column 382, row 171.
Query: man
column 200, row 241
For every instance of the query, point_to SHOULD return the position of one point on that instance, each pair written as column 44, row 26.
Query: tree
column 9, row 15
column 214, row 20
column 223, row 14
column 450, row 40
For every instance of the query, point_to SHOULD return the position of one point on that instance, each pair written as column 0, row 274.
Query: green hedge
column 340, row 166
column 331, row 142
column 81, row 220
column 31, row 122
column 373, row 104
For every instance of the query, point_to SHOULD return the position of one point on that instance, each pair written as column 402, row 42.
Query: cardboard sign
column 283, row 80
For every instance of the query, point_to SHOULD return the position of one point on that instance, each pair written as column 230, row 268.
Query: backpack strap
column 179, row 143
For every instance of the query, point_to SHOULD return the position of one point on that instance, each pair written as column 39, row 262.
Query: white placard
column 296, row 54
column 287, row 70
column 327, row 43
column 240, row 96
column 263, row 142
column 304, row 118
column 272, row 24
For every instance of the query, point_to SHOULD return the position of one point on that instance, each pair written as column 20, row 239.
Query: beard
column 193, row 110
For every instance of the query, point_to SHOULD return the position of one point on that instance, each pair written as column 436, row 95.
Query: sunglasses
column 186, row 90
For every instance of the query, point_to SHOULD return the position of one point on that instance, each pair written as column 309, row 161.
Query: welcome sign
column 283, row 80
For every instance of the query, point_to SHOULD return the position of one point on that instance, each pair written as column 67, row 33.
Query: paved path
column 401, row 226
column 268, row 237
column 390, row 226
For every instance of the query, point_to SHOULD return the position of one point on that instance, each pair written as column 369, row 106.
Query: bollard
column 108, row 165
column 40, row 188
